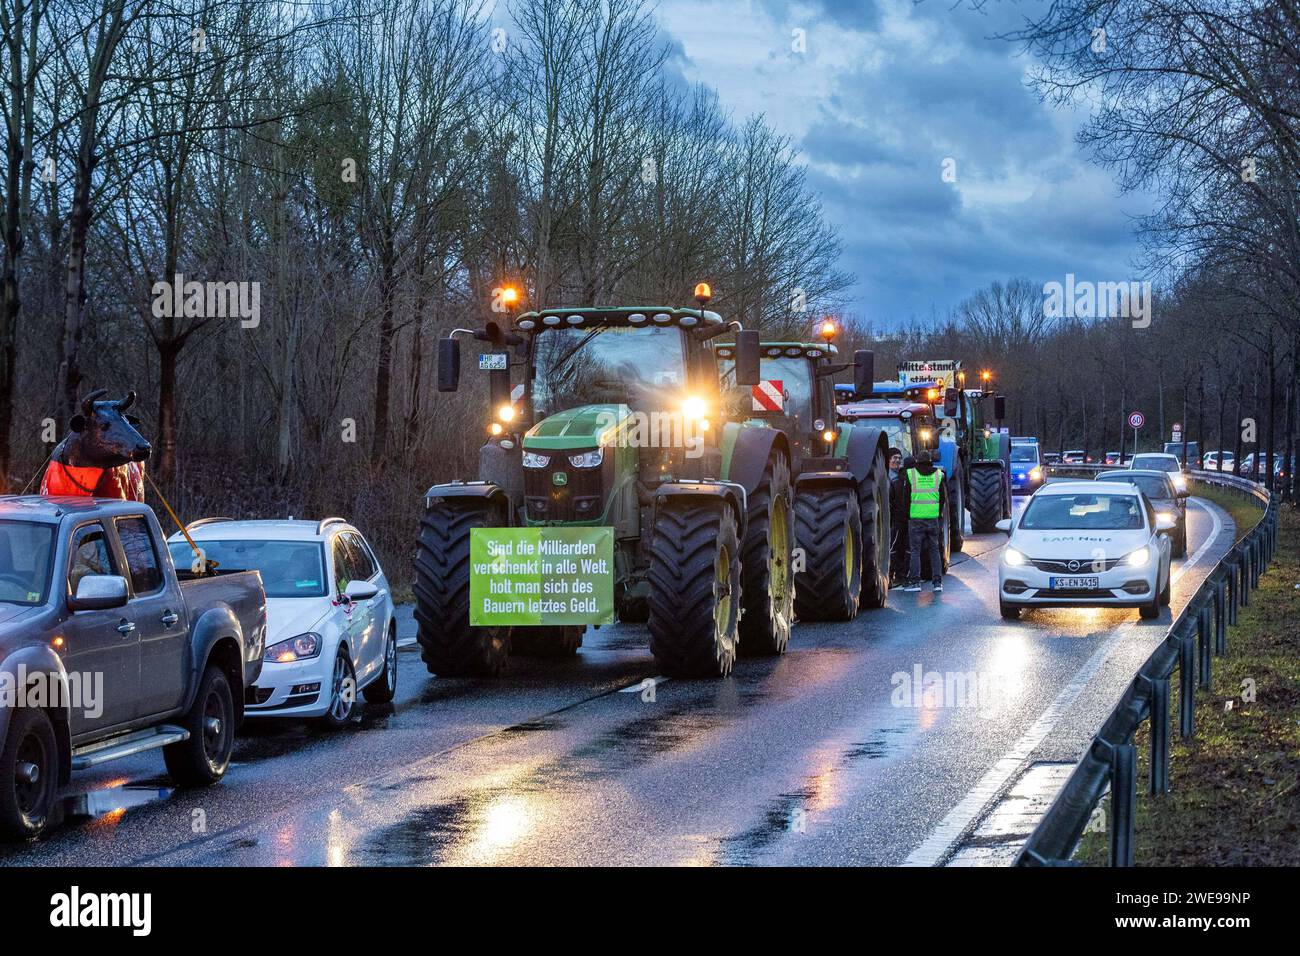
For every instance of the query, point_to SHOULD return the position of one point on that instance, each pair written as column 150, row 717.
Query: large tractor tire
column 766, row 575
column 873, row 512
column 545, row 641
column 985, row 503
column 828, row 527
column 448, row 645
column 957, row 512
column 694, row 588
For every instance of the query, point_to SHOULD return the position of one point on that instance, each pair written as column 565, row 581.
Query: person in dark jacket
column 897, row 519
column 927, row 492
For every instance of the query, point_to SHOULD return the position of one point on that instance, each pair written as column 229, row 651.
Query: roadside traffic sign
column 1137, row 420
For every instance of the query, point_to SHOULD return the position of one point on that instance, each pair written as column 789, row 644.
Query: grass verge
column 1234, row 795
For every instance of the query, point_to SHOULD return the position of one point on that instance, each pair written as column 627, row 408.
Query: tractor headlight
column 1013, row 558
column 533, row 460
column 506, row 412
column 694, row 407
column 588, row 459
column 1138, row 558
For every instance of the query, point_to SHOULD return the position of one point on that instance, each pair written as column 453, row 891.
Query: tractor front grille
column 577, row 498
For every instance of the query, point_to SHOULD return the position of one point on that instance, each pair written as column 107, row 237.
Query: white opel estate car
column 1086, row 544
column 330, row 628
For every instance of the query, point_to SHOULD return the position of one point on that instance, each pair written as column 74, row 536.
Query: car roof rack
column 326, row 522
column 202, row 521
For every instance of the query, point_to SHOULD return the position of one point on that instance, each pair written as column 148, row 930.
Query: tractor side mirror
column 864, row 373
column 1000, row 407
column 448, row 364
column 747, row 357
column 950, row 403
column 499, row 387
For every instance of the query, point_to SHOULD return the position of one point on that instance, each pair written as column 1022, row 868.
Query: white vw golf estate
column 329, row 614
column 1080, row 545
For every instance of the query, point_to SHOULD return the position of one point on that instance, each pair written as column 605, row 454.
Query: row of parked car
column 134, row 641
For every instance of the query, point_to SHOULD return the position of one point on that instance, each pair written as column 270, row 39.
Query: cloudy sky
column 886, row 91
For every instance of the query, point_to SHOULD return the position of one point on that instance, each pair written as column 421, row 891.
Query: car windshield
column 1156, row 463
column 1155, row 488
column 1083, row 512
column 1024, row 453
column 289, row 568
column 795, row 375
column 640, row 366
column 26, row 549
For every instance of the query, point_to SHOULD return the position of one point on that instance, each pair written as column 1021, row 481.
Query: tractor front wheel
column 694, row 588
column 449, row 646
column 828, row 527
column 873, row 512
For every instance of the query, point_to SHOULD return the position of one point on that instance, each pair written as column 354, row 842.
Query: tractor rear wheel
column 449, row 646
column 873, row 512
column 551, row 641
column 694, row 588
column 766, row 577
column 986, row 503
column 828, row 527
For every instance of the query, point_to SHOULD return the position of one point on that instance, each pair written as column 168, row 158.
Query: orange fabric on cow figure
column 103, row 457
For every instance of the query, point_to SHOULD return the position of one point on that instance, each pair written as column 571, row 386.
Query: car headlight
column 1035, row 474
column 1014, row 558
column 294, row 649
column 1180, row 482
column 588, row 459
column 1138, row 558
column 534, row 460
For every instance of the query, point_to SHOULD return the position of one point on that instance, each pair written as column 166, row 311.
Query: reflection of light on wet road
column 336, row 840
column 501, row 825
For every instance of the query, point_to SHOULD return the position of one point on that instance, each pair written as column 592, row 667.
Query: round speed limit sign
column 1137, row 420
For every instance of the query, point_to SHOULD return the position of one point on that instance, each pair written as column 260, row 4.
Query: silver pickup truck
column 107, row 650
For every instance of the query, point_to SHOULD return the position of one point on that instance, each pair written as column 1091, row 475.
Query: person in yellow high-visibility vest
column 926, row 491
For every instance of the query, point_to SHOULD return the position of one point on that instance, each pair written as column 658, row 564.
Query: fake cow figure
column 104, row 455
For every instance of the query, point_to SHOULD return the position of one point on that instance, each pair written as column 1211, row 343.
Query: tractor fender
column 504, row 468
column 731, row 492
column 750, row 451
column 26, row 663
column 466, row 489
column 861, row 448
column 948, row 456
column 822, row 479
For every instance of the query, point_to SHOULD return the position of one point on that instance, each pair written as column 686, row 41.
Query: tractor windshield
column 643, row 367
column 785, row 388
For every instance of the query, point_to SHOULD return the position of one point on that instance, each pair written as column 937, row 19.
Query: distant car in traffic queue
column 1078, row 545
column 1026, row 466
column 1075, row 456
column 1219, row 461
column 1113, row 458
column 1161, row 461
column 1165, row 497
column 330, row 627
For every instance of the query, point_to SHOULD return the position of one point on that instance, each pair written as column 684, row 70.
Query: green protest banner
column 541, row 576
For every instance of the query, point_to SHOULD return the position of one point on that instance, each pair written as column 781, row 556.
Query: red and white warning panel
column 769, row 395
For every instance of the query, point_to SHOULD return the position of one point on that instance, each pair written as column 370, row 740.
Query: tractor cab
column 903, row 412
column 794, row 393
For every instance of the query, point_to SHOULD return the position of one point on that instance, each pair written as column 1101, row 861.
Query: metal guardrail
column 1198, row 634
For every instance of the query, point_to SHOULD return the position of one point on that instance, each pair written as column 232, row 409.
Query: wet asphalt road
column 819, row 757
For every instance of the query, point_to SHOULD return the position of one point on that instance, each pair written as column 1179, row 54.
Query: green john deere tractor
column 970, row 419
column 611, row 417
column 841, row 500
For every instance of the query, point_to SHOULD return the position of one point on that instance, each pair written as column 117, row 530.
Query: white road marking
column 944, row 838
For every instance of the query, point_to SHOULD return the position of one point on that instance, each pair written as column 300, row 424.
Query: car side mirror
column 1004, row 525
column 448, row 364
column 747, row 357
column 99, row 592
column 359, row 591
column 864, row 373
column 1166, row 522
column 1184, row 493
